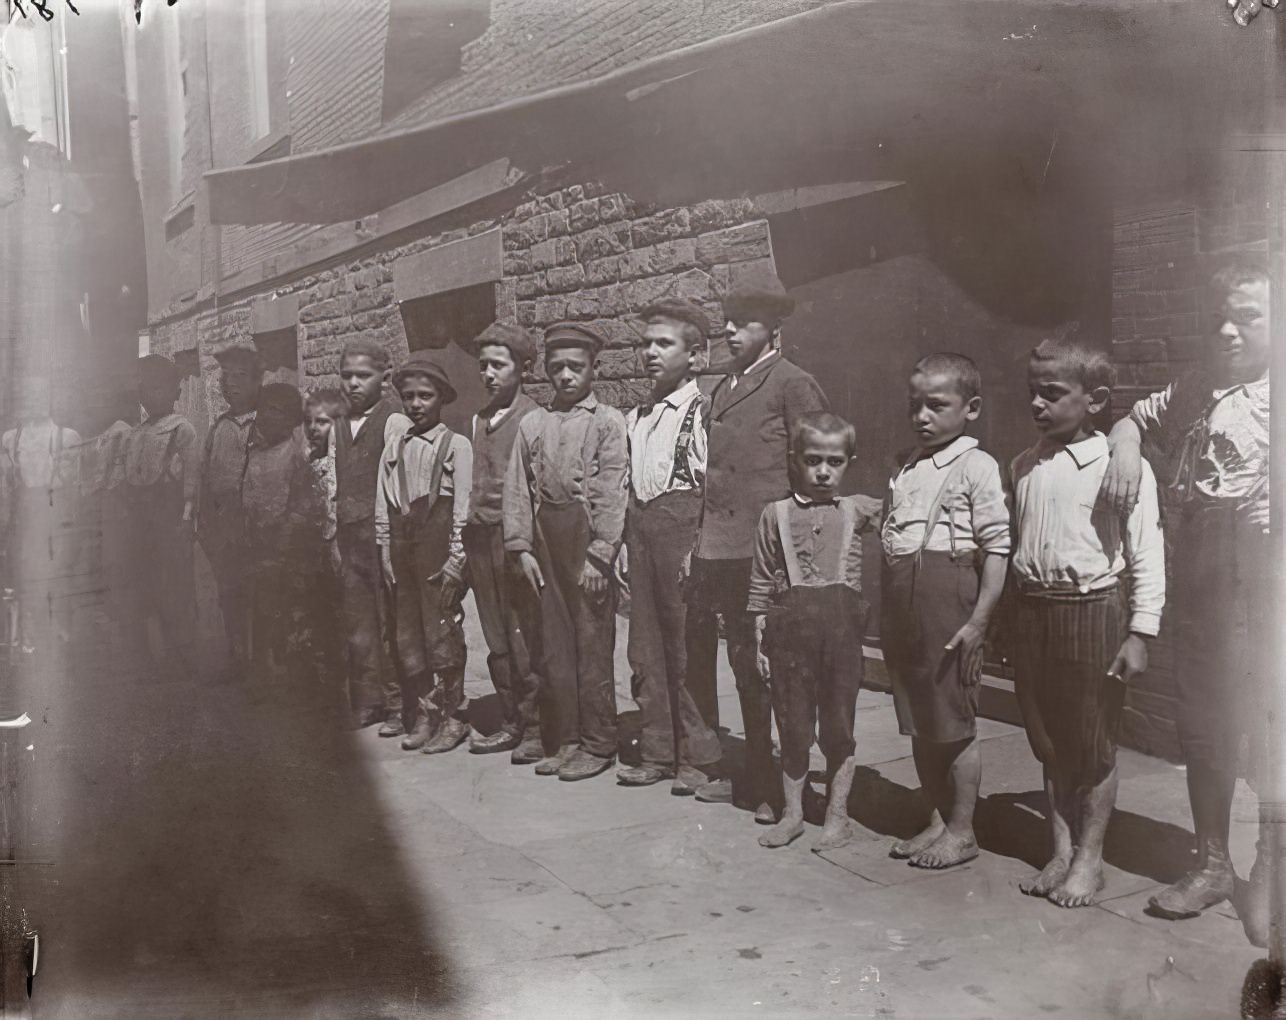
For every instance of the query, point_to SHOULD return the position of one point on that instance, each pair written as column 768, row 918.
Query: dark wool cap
column 423, row 363
column 679, row 309
column 239, row 352
column 573, row 334
column 154, row 366
column 762, row 300
column 521, row 344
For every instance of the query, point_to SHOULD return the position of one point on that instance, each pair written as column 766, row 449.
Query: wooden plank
column 268, row 314
column 463, row 263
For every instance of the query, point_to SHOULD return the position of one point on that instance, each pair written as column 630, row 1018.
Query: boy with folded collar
column 564, row 512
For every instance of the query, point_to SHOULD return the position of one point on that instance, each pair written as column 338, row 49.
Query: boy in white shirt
column 1090, row 590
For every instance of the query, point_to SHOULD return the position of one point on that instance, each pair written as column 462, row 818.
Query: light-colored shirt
column 163, row 447
column 1068, row 539
column 323, row 473
column 974, row 512
column 668, row 445
column 394, row 425
column 417, row 454
column 1216, row 438
column 229, row 443
column 41, row 455
column 577, row 455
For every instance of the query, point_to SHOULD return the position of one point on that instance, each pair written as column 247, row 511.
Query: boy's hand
column 188, row 524
column 622, row 568
column 386, row 567
column 968, row 643
column 531, row 571
column 452, row 588
column 1121, row 481
column 685, row 568
column 336, row 561
column 593, row 581
column 761, row 659
column 1131, row 661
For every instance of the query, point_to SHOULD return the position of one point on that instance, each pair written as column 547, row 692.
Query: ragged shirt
column 578, row 455
column 163, row 448
column 974, row 513
column 406, row 474
column 668, row 445
column 282, row 506
column 1068, row 539
column 826, row 552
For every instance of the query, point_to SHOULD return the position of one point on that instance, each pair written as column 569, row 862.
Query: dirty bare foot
column 837, row 832
column 783, row 833
column 947, row 851
column 1050, row 877
column 1084, row 879
column 906, row 848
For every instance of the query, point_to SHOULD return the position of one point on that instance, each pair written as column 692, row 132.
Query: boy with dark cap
column 505, row 606
column 421, row 503
column 753, row 410
column 667, row 473
column 564, row 512
column 161, row 462
column 373, row 421
column 220, row 521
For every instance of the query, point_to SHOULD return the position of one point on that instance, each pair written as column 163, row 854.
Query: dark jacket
column 357, row 464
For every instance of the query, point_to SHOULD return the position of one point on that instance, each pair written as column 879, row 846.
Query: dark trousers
column 578, row 636
column 722, row 587
column 372, row 684
column 231, row 567
column 160, row 556
column 814, row 647
column 659, row 536
column 506, row 613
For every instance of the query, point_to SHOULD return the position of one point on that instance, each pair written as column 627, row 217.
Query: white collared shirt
column 759, row 363
column 655, row 438
column 974, row 514
column 1068, row 539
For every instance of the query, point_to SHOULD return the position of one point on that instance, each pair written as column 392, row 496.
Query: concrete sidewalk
column 593, row 900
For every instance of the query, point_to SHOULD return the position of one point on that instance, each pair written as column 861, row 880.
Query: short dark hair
column 363, row 347
column 284, row 397
column 685, row 312
column 1238, row 272
column 823, row 423
column 520, row 344
column 1088, row 366
column 962, row 372
column 326, row 397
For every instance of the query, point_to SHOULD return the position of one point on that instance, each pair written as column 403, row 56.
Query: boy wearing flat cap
column 421, row 503
column 754, row 410
column 506, row 610
column 564, row 512
column 667, row 474
column 221, row 526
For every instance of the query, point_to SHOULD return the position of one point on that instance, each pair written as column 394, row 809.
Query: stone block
column 618, row 363
column 584, row 214
column 506, row 300
column 612, row 208
column 565, row 251
column 734, row 244
column 635, row 264
column 644, row 292
column 366, row 279
column 550, row 309
column 544, row 255
column 551, row 202
column 328, row 309
column 662, row 226
column 526, row 210
column 367, row 299
column 596, row 303
column 673, row 256
column 559, row 223
column 601, row 241
column 525, row 314
column 694, row 284
column 516, row 263
column 603, row 271
column 713, row 214
column 560, row 279
column 529, row 286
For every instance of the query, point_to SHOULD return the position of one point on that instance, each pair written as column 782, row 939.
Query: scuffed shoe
column 449, row 736
column 501, row 740
column 420, row 735
column 643, row 775
column 766, row 814
column 717, row 791
column 550, row 766
column 393, row 726
column 583, row 765
column 1197, row 890
column 688, row 781
column 530, row 751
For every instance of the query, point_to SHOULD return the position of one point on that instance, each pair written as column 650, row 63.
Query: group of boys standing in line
column 726, row 509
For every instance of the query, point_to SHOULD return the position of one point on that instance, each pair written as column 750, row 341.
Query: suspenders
column 435, row 470
column 935, row 508
column 848, row 517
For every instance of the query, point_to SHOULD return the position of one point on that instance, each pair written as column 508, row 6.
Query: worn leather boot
column 392, row 725
column 530, row 751
column 1211, row 883
column 450, row 735
column 423, row 730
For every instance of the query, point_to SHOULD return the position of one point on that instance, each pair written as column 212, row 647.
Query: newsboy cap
column 679, row 309
column 573, row 334
column 763, row 300
column 521, row 344
column 423, row 363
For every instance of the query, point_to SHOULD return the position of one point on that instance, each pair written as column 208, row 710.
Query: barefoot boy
column 946, row 543
column 564, row 511
column 1211, row 427
column 421, row 504
column 1090, row 589
column 667, row 473
column 505, row 606
column 809, row 619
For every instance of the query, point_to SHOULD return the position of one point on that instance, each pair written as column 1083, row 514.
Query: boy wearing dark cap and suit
column 421, row 502
column 564, row 512
column 505, row 607
column 753, row 411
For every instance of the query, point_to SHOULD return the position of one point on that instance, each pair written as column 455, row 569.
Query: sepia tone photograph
column 631, row 509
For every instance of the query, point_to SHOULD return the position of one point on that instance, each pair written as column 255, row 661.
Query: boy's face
column 158, row 396
column 1060, row 405
column 363, row 382
column 501, row 374
column 317, row 425
column 665, row 355
column 570, row 370
column 746, row 342
column 239, row 382
column 939, row 412
column 273, row 424
column 819, row 464
column 1243, row 336
column 421, row 400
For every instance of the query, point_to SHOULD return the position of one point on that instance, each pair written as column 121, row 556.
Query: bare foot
column 1080, row 885
column 910, row 847
column 947, row 851
column 835, row 834
column 783, row 833
column 1050, row 877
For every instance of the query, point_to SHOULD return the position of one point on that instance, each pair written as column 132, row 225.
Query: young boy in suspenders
column 945, row 510
column 421, row 503
column 809, row 618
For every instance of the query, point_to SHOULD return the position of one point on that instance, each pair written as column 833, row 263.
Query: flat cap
column 573, row 334
column 423, row 363
column 521, row 344
column 679, row 309
column 156, row 366
column 239, row 351
column 762, row 300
